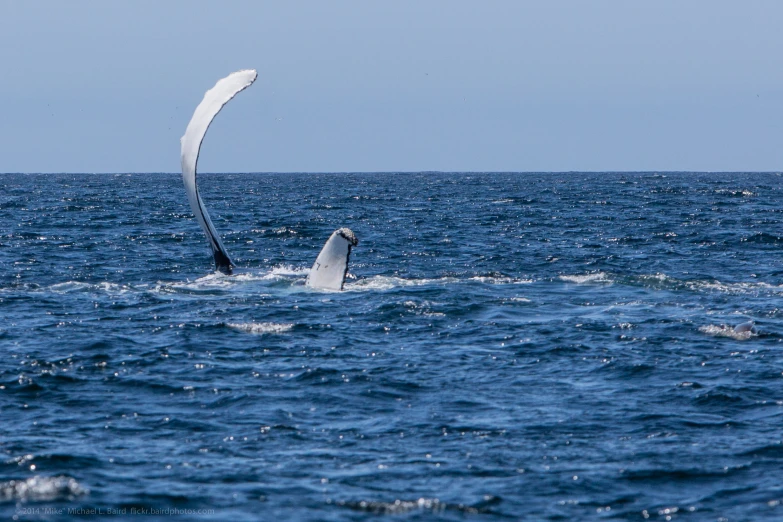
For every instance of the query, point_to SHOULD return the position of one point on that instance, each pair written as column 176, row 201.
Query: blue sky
column 449, row 85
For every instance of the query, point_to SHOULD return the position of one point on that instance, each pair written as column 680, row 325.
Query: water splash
column 41, row 489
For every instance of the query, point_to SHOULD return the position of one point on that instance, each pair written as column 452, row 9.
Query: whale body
column 330, row 267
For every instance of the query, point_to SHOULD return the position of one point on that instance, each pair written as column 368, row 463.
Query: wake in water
column 296, row 277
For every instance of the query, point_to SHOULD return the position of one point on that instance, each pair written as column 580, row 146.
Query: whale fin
column 748, row 326
column 210, row 106
column 331, row 265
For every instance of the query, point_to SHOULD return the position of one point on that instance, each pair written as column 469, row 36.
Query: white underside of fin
column 210, row 106
column 748, row 326
column 331, row 265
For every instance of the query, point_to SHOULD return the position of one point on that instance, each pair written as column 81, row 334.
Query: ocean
column 508, row 346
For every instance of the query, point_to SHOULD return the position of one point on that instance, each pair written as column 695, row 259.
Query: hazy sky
column 99, row 86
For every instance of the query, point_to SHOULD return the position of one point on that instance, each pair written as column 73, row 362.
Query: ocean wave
column 104, row 287
column 736, row 192
column 709, row 285
column 733, row 288
column 68, row 286
column 666, row 282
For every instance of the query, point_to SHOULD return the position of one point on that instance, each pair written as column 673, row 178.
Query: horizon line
column 348, row 172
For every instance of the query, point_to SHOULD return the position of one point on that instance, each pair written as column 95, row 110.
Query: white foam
column 387, row 283
column 712, row 285
column 68, row 286
column 733, row 288
column 284, row 230
column 288, row 270
column 113, row 288
column 261, row 328
column 217, row 280
column 209, row 281
column 657, row 277
column 736, row 192
column 424, row 308
column 41, row 489
column 404, row 506
column 501, row 280
column 598, row 277
column 723, row 330
column 80, row 286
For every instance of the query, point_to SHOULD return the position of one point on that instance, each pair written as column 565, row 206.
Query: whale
column 747, row 326
column 331, row 265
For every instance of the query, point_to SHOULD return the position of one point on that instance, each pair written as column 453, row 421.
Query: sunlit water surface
column 508, row 346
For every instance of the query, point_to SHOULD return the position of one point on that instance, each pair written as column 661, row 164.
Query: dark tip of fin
column 222, row 262
column 348, row 235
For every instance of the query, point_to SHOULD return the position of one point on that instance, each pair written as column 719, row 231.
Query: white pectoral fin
column 210, row 106
column 748, row 326
column 331, row 265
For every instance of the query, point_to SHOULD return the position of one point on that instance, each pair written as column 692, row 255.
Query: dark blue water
column 508, row 346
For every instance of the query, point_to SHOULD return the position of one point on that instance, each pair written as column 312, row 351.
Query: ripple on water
column 499, row 333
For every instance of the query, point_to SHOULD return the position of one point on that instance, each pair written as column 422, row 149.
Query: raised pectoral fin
column 210, row 106
column 331, row 265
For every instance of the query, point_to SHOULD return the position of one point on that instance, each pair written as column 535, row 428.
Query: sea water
column 507, row 346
